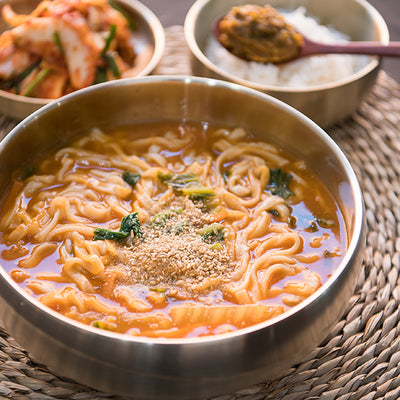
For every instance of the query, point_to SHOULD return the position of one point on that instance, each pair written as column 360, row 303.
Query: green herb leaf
column 130, row 223
column 106, row 234
column 330, row 254
column 292, row 222
column 325, row 223
column 131, row 178
column 226, row 174
column 312, row 228
column 27, row 172
column 274, row 212
column 187, row 184
column 279, row 183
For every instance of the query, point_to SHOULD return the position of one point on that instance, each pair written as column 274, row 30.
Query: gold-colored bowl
column 188, row 368
column 325, row 104
column 149, row 40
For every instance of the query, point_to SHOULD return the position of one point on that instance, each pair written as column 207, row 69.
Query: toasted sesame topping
column 173, row 254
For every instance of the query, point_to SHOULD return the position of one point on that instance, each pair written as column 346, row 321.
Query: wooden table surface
column 172, row 12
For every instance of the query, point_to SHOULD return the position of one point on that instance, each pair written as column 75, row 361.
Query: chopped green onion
column 187, row 184
column 101, row 75
column 158, row 290
column 110, row 37
column 178, row 180
column 197, row 192
column 213, row 232
column 36, row 80
column 57, row 41
column 216, row 246
column 131, row 23
column 103, row 325
column 14, row 82
column 110, row 60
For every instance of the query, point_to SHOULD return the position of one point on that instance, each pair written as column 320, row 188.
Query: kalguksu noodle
column 170, row 230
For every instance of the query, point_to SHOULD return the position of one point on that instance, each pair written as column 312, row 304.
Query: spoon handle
column 366, row 48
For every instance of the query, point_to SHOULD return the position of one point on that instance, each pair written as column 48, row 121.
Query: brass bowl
column 189, row 368
column 149, row 40
column 325, row 104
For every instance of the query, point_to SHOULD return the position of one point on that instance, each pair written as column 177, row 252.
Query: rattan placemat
column 360, row 359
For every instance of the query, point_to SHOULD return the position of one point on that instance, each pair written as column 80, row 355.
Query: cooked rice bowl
column 309, row 71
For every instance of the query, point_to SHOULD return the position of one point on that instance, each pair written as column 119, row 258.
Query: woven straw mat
column 360, row 359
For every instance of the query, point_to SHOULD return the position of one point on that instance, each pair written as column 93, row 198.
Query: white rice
column 308, row 71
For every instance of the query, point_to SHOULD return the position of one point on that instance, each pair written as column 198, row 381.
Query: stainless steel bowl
column 194, row 367
column 149, row 42
column 326, row 104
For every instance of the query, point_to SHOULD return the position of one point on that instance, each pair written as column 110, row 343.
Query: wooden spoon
column 261, row 34
column 367, row 48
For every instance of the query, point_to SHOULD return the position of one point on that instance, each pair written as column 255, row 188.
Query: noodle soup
column 170, row 230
